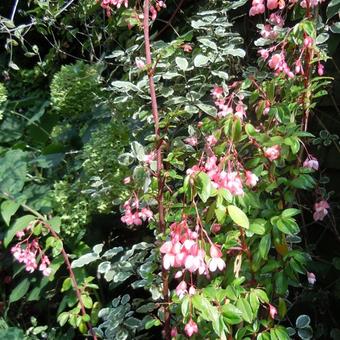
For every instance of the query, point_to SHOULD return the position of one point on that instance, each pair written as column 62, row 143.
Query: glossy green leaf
column 238, row 216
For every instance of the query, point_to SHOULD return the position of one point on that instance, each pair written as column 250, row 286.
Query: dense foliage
column 180, row 183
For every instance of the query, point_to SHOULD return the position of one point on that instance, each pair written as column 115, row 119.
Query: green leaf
column 55, row 224
column 62, row 318
column 201, row 60
column 258, row 226
column 185, row 306
column 20, row 224
column 67, row 284
column 333, row 8
column 244, row 306
column 290, row 212
column 204, row 186
column 19, row 291
column 182, row 63
column 8, row 209
column 232, row 314
column 208, row 109
column 238, row 216
column 87, row 301
column 287, row 226
column 13, row 169
column 265, row 245
column 302, row 321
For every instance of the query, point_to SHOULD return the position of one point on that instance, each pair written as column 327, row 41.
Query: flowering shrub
column 224, row 195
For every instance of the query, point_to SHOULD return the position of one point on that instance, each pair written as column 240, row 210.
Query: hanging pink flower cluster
column 107, row 5
column 228, row 105
column 258, row 7
column 186, row 252
column 230, row 180
column 133, row 215
column 28, row 252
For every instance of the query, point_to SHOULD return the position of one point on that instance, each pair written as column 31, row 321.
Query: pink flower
column 275, row 61
column 146, row 214
column 153, row 13
column 276, row 19
column 186, row 48
column 174, row 332
column 211, row 140
column 320, row 210
column 150, row 157
column 193, row 141
column 215, row 228
column 127, row 180
column 272, row 311
column 321, row 69
column 311, row 163
column 139, row 63
column 217, row 92
column 181, row 289
column 257, row 7
column 192, row 290
column 240, row 110
column 20, row 234
column 191, row 328
column 264, row 53
column 308, row 42
column 251, row 179
column 311, row 278
column 273, row 4
column 268, row 33
column 273, row 152
column 216, row 261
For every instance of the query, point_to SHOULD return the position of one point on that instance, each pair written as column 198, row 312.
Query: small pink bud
column 215, row 228
column 173, row 332
column 127, row 180
column 321, row 69
column 311, row 278
column 215, row 251
column 272, row 311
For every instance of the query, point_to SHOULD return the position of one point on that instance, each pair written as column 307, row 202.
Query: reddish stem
column 165, row 277
column 73, row 279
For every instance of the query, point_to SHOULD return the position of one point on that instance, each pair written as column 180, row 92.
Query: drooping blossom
column 191, row 328
column 44, row 266
column 192, row 290
column 216, row 261
column 308, row 42
column 321, row 69
column 150, row 157
column 181, row 289
column 273, row 152
column 268, row 32
column 272, row 311
column 276, row 19
column 264, row 53
column 240, row 110
column 187, row 48
column 211, row 140
column 311, row 163
column 139, row 63
column 274, row 4
column 311, row 278
column 106, row 4
column 215, row 228
column 173, row 332
column 217, row 92
column 320, row 210
column 257, row 7
column 251, row 179
column 153, row 13
column 193, row 141
column 133, row 215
